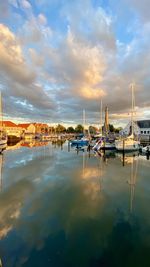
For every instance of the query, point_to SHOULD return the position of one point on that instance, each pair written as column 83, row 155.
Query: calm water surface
column 66, row 209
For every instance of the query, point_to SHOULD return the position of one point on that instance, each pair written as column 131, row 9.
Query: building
column 41, row 128
column 28, row 128
column 144, row 126
column 12, row 129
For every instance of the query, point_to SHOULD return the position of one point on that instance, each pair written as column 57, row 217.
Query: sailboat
column 129, row 143
column 84, row 141
column 3, row 137
column 105, row 142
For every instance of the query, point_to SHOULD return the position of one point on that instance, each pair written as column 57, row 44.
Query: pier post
column 123, row 153
column 68, row 146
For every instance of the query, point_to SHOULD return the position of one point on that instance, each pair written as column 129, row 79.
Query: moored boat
column 129, row 143
column 146, row 149
column 80, row 142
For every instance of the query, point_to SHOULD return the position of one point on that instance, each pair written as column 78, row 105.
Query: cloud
column 79, row 67
column 142, row 8
column 42, row 19
column 11, row 57
column 64, row 57
column 4, row 10
column 25, row 4
column 19, row 76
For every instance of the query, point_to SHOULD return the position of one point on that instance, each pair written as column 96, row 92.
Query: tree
column 92, row 130
column 79, row 128
column 70, row 129
column 111, row 128
column 51, row 129
column 117, row 130
column 60, row 128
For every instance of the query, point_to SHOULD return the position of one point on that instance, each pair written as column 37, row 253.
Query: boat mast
column 83, row 121
column 101, row 117
column 132, row 107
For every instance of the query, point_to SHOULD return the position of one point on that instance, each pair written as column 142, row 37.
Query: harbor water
column 62, row 207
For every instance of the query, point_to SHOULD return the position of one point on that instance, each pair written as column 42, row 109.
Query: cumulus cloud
column 18, row 77
column 11, row 57
column 79, row 67
column 77, row 58
column 89, row 24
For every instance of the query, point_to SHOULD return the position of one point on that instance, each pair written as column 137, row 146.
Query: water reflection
column 132, row 181
column 63, row 209
column 1, row 174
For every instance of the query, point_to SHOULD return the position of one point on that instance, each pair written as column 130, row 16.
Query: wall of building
column 30, row 129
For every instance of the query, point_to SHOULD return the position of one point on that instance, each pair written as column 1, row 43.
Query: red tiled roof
column 24, row 125
column 9, row 124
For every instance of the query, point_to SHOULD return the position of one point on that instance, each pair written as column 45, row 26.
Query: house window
column 144, row 132
column 141, row 132
column 148, row 132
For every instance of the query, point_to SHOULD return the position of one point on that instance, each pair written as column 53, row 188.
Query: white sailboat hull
column 127, row 145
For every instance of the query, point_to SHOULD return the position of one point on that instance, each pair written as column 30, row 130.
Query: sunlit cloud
column 61, row 57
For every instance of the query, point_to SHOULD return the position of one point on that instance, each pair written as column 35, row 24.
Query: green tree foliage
column 70, row 129
column 60, row 128
column 117, row 130
column 79, row 128
column 92, row 130
column 111, row 128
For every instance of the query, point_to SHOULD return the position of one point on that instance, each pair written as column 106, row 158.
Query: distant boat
column 129, row 143
column 82, row 141
column 3, row 136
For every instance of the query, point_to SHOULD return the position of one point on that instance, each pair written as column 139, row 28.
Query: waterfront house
column 144, row 126
column 41, row 128
column 12, row 130
column 28, row 128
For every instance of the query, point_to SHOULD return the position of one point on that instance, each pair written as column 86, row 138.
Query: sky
column 60, row 57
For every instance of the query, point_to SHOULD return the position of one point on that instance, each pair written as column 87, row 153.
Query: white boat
column 3, row 136
column 129, row 143
column 145, row 149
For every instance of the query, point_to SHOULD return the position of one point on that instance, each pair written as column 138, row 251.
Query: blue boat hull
column 79, row 142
